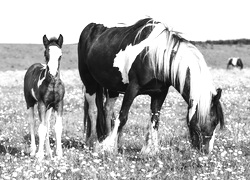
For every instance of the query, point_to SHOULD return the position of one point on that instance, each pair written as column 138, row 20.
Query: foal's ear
column 216, row 98
column 45, row 41
column 60, row 41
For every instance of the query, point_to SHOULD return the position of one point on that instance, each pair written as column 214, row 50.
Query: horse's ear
column 60, row 41
column 216, row 98
column 45, row 41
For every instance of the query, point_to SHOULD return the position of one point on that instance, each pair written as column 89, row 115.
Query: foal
column 42, row 85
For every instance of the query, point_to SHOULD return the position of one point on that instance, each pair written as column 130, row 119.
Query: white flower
column 223, row 154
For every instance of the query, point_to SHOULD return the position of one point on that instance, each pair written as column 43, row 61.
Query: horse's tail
column 87, row 37
column 101, row 124
column 86, row 119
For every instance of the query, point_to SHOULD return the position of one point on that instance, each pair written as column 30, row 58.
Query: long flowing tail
column 101, row 124
column 86, row 119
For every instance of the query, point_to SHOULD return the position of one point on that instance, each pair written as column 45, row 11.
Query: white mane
column 187, row 57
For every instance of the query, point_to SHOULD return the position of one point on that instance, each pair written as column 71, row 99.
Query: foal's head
column 53, row 53
column 203, row 133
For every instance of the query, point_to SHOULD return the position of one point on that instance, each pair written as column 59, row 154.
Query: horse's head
column 53, row 53
column 203, row 134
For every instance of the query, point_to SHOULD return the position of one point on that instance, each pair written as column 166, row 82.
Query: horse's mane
column 171, row 56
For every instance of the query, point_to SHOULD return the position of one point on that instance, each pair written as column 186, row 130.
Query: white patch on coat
column 33, row 94
column 54, row 53
column 125, row 58
column 211, row 142
column 40, row 81
column 234, row 61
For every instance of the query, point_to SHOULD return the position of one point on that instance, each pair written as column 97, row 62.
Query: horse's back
column 89, row 34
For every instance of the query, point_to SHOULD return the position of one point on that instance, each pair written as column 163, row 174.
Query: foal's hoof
column 59, row 154
column 32, row 151
column 39, row 156
column 32, row 154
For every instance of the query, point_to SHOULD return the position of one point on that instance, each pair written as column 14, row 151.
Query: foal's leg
column 58, row 129
column 42, row 130
column 151, row 143
column 110, row 143
column 92, row 141
column 32, row 131
column 47, row 122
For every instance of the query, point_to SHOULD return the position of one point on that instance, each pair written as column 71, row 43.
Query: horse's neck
column 49, row 77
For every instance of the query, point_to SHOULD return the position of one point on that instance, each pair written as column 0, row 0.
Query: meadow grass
column 230, row 158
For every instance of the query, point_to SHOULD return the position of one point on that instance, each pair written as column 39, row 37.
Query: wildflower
column 112, row 174
column 149, row 175
column 14, row 174
column 97, row 161
column 95, row 154
column 132, row 166
column 229, row 169
column 223, row 154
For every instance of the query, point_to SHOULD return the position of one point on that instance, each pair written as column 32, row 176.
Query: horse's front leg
column 58, row 129
column 32, row 131
column 47, row 142
column 151, row 143
column 42, row 130
column 110, row 143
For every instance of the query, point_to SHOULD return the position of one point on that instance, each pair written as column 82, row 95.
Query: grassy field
column 230, row 158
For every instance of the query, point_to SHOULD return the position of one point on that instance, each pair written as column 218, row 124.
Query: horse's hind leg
column 151, row 143
column 32, row 131
column 58, row 129
column 47, row 122
column 92, row 141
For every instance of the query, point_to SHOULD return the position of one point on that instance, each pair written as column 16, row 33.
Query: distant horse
column 235, row 62
column 145, row 58
column 42, row 85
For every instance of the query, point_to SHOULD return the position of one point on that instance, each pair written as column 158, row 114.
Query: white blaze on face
column 234, row 61
column 55, row 53
column 125, row 58
column 211, row 142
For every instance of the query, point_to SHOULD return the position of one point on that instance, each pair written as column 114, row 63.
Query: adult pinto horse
column 146, row 58
column 43, row 86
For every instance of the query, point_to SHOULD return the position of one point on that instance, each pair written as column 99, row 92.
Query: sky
column 26, row 21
